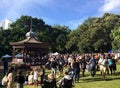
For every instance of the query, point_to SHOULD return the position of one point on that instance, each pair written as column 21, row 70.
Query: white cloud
column 16, row 8
column 73, row 24
column 48, row 20
column 110, row 6
column 43, row 2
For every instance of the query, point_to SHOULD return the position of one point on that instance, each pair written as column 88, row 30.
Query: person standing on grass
column 76, row 70
column 103, row 62
column 92, row 65
column 110, row 65
column 5, row 65
column 83, row 65
column 42, row 74
column 20, row 79
column 53, row 65
column 114, row 64
column 61, row 63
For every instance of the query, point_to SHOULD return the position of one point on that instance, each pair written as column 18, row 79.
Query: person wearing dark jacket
column 61, row 63
column 76, row 70
column 42, row 74
column 50, row 82
column 53, row 66
column 92, row 64
column 83, row 65
column 20, row 79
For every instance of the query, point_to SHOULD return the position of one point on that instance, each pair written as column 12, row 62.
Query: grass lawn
column 112, row 81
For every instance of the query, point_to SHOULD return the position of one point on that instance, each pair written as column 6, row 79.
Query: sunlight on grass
column 112, row 81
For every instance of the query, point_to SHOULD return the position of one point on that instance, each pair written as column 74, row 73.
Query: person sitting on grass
column 30, row 78
column 61, row 82
column 50, row 82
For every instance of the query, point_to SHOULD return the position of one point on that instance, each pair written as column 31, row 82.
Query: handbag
column 5, row 80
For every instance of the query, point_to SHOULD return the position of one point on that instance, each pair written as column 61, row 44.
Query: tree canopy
column 97, row 34
column 94, row 34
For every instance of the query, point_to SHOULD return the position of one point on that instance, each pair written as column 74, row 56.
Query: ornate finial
column 30, row 34
column 31, row 25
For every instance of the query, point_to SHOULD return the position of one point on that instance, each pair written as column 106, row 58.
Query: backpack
column 110, row 62
column 5, row 80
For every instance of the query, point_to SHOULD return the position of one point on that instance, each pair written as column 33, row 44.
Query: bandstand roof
column 30, row 41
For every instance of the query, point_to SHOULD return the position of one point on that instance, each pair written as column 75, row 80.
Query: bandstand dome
column 30, row 34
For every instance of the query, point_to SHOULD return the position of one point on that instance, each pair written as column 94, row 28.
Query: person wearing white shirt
column 35, row 77
column 30, row 78
column 103, row 62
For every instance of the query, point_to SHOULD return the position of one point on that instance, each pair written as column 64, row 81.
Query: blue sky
column 64, row 12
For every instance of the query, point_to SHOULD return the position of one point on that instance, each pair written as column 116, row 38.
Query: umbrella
column 18, row 55
column 6, row 56
column 110, row 51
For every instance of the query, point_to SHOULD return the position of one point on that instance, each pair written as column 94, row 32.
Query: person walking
column 42, row 74
column 76, row 70
column 53, row 66
column 114, row 64
column 61, row 63
column 92, row 66
column 35, row 77
column 83, row 65
column 103, row 62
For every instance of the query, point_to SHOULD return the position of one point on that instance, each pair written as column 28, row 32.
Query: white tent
column 56, row 53
column 6, row 56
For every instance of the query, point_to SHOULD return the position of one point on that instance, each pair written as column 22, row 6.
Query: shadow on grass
column 92, row 79
column 99, row 78
column 117, row 73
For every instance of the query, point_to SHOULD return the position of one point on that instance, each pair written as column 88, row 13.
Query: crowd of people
column 75, row 67
column 90, row 62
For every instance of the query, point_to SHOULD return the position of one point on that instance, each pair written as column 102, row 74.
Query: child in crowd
column 30, row 78
column 35, row 77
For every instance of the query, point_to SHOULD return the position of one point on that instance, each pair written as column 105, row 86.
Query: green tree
column 115, row 35
column 94, row 34
column 60, row 35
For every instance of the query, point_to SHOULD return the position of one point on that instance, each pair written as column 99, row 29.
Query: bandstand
column 30, row 48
